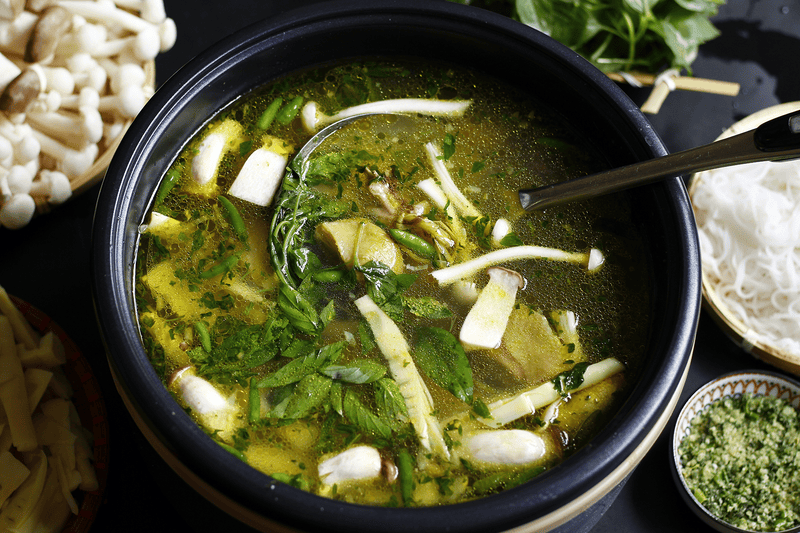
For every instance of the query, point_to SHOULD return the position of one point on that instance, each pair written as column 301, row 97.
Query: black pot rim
column 154, row 404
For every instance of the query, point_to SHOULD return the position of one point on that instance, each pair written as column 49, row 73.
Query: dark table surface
column 47, row 263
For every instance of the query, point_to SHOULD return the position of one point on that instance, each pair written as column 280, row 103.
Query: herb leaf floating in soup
column 383, row 324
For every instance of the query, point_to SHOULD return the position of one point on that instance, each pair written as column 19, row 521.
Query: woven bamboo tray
column 712, row 301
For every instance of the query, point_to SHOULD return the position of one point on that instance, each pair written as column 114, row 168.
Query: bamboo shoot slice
column 418, row 399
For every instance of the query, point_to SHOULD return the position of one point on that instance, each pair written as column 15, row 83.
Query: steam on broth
column 371, row 332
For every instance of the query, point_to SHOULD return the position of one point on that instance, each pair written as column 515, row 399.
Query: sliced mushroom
column 260, row 177
column 486, row 322
column 198, row 393
column 361, row 462
column 506, row 447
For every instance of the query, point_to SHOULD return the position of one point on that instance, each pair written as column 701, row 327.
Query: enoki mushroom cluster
column 72, row 76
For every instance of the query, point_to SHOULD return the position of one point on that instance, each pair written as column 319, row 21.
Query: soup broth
column 389, row 327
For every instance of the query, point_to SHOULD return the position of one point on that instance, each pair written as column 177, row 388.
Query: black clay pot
column 442, row 31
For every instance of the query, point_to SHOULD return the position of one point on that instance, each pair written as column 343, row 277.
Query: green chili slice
column 169, row 181
column 289, row 111
column 405, row 473
column 266, row 118
column 254, row 403
column 221, row 267
column 413, row 242
column 233, row 451
column 328, row 276
column 234, row 217
column 202, row 333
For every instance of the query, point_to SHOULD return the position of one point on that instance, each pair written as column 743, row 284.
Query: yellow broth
column 504, row 141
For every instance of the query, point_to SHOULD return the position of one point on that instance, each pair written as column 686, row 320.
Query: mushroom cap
column 52, row 25
column 146, row 45
column 131, row 101
column 59, row 187
column 6, row 148
column 168, row 34
column 19, row 180
column 17, row 212
column 153, row 11
column 127, row 74
column 76, row 163
column 310, row 116
column 21, row 92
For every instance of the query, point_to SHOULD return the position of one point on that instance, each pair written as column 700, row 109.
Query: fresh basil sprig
column 297, row 211
column 620, row 35
column 626, row 35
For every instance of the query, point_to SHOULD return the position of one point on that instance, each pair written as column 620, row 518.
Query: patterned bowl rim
column 734, row 384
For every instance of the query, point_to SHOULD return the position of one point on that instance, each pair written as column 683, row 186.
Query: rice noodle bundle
column 748, row 219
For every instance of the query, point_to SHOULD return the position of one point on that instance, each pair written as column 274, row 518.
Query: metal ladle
column 775, row 140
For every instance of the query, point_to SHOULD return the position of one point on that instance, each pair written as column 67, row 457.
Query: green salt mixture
column 741, row 460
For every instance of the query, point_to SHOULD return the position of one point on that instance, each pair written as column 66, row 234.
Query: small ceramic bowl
column 760, row 383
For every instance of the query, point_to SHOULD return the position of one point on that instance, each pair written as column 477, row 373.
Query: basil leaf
column 304, row 262
column 291, row 372
column 389, row 399
column 481, row 409
column 645, row 35
column 364, row 371
column 336, row 397
column 570, row 23
column 331, row 353
column 427, row 307
column 366, row 337
column 297, row 369
column 448, row 146
column 362, row 417
column 310, row 393
column 385, row 287
column 327, row 314
column 441, row 357
column 279, row 399
column 570, row 379
column 511, row 239
column 298, row 347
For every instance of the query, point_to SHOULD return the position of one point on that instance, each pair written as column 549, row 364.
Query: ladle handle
column 775, row 140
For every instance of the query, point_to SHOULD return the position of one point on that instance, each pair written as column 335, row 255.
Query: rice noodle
column 748, row 219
